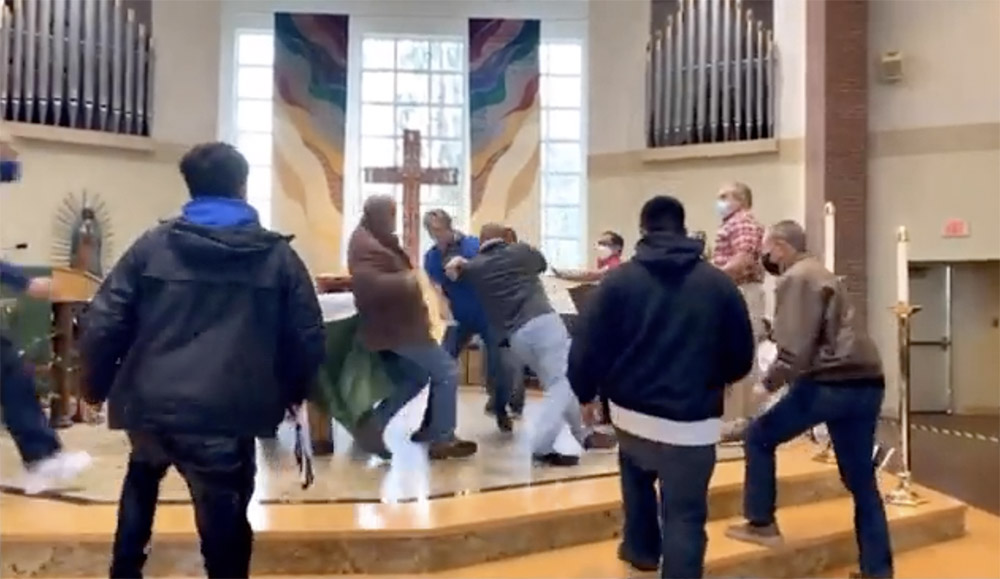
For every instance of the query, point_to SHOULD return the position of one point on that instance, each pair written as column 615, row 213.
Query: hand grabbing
column 454, row 267
column 591, row 413
column 40, row 288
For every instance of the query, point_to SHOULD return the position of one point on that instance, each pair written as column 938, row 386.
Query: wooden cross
column 411, row 176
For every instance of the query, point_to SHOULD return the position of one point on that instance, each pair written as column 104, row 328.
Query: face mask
column 723, row 208
column 769, row 265
column 603, row 252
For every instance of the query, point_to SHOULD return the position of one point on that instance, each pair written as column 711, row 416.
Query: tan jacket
column 815, row 329
column 391, row 308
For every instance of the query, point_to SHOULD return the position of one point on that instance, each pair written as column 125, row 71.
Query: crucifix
column 411, row 176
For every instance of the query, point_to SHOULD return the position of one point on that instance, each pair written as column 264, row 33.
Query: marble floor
column 503, row 462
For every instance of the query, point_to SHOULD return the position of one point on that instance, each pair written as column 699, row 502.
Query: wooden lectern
column 72, row 289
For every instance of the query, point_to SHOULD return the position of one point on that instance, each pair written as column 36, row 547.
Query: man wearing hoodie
column 506, row 279
column 203, row 335
column 662, row 338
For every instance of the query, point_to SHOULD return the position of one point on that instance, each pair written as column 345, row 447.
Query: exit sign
column 955, row 228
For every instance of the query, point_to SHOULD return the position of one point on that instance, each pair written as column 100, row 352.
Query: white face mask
column 724, row 208
column 603, row 252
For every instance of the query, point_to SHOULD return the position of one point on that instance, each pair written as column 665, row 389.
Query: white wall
column 187, row 41
column 951, row 63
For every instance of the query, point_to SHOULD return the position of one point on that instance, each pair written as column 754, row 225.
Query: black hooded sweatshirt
column 662, row 337
column 204, row 331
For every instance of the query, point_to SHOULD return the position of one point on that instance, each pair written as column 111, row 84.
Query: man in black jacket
column 662, row 338
column 203, row 335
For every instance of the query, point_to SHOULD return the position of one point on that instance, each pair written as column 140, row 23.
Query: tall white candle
column 829, row 231
column 903, row 266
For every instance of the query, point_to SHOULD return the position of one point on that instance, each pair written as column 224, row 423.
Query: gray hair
column 791, row 232
column 437, row 215
column 741, row 192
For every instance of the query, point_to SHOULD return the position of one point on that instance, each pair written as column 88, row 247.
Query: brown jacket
column 815, row 329
column 387, row 294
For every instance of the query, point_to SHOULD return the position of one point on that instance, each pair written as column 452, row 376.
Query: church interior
column 865, row 120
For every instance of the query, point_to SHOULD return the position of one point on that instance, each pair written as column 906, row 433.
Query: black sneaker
column 647, row 566
column 488, row 409
column 368, row 436
column 860, row 575
column 505, row 423
column 763, row 535
column 454, row 448
column 556, row 459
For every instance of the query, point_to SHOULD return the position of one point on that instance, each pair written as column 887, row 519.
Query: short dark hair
column 617, row 241
column 663, row 214
column 215, row 170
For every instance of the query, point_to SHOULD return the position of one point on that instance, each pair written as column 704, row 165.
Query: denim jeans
column 20, row 410
column 673, row 526
column 219, row 471
column 850, row 411
column 500, row 383
column 543, row 345
column 409, row 368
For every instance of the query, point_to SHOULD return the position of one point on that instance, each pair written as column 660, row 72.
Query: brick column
column 836, row 135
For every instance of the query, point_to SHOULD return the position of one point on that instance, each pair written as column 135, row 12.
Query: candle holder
column 904, row 495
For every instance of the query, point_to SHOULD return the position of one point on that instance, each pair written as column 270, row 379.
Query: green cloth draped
column 352, row 380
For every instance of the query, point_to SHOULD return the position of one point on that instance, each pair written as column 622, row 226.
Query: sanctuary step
column 466, row 535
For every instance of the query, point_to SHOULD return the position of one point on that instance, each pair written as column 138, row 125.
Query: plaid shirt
column 740, row 233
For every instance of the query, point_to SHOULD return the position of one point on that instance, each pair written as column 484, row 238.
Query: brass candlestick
column 904, row 495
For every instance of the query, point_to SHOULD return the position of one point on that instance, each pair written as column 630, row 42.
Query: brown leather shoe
column 454, row 448
column 600, row 441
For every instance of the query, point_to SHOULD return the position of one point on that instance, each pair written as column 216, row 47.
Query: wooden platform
column 46, row 538
column 503, row 462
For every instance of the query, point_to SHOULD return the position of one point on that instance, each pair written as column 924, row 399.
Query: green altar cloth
column 352, row 380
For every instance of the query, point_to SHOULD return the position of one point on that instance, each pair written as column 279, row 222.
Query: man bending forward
column 505, row 276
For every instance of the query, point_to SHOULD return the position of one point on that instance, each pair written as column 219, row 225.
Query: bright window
column 410, row 82
column 254, row 85
column 415, row 83
column 563, row 182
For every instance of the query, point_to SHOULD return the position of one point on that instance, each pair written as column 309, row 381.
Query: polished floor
column 956, row 455
column 504, row 461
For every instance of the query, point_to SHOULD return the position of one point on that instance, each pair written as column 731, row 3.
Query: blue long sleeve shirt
column 462, row 298
column 13, row 277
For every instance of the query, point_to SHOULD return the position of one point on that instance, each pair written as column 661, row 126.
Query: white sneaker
column 47, row 473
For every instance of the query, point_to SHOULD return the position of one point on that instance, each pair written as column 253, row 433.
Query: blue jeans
column 218, row 470
column 543, row 345
column 499, row 377
column 850, row 411
column 409, row 368
column 674, row 525
column 20, row 410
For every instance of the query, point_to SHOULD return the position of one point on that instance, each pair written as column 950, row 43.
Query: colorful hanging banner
column 310, row 129
column 504, row 113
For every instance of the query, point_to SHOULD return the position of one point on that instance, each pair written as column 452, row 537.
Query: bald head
column 492, row 231
column 379, row 214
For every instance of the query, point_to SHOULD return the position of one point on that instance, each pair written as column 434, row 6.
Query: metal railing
column 710, row 76
column 84, row 64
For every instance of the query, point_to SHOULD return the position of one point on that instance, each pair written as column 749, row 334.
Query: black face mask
column 769, row 265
